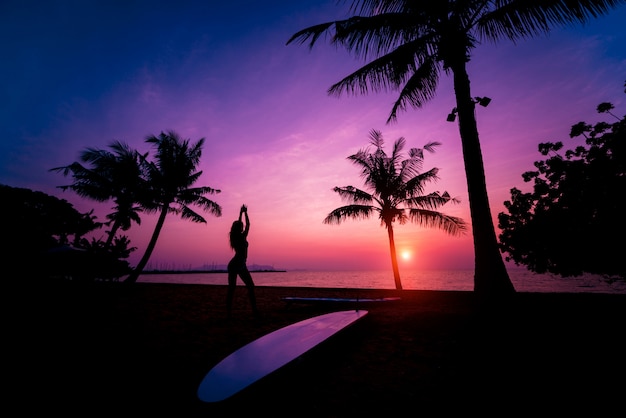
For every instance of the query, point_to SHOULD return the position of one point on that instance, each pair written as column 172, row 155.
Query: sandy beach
column 108, row 348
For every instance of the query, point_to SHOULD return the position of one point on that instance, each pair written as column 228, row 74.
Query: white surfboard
column 271, row 352
column 293, row 299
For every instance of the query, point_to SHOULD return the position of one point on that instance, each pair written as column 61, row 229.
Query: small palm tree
column 396, row 193
column 170, row 177
column 410, row 43
column 116, row 175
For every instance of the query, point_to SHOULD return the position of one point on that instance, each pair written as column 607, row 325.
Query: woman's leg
column 230, row 293
column 247, row 279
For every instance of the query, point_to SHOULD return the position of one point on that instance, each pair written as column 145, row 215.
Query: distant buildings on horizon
column 205, row 268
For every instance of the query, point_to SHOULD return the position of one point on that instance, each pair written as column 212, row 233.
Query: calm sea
column 523, row 280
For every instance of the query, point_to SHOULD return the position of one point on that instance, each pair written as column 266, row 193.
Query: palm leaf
column 356, row 212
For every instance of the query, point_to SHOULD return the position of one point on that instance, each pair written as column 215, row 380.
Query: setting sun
column 406, row 255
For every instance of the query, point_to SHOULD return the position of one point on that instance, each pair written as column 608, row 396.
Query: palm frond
column 370, row 36
column 432, row 219
column 416, row 185
column 431, row 201
column 398, row 146
column 310, row 34
column 208, row 205
column 514, row 19
column 356, row 212
column 376, row 138
column 369, row 7
column 420, row 87
column 187, row 213
column 364, row 160
column 353, row 195
column 430, row 147
column 389, row 72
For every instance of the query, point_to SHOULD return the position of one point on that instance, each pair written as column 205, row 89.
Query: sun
column 406, row 255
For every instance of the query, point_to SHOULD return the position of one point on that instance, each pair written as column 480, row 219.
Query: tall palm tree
column 396, row 193
column 117, row 175
column 171, row 175
column 410, row 42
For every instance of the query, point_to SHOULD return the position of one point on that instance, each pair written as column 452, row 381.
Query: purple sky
column 82, row 74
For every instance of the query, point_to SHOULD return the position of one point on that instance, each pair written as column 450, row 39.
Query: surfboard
column 292, row 299
column 271, row 352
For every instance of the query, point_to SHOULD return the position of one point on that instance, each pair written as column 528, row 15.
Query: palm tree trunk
column 490, row 275
column 394, row 258
column 134, row 275
column 114, row 228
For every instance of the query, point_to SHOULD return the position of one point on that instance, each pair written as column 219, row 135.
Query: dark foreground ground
column 142, row 350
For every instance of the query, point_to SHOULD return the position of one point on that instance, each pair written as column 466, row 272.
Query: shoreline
column 523, row 281
column 205, row 271
column 144, row 348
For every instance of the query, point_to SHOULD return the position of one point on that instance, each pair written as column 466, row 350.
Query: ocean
column 523, row 280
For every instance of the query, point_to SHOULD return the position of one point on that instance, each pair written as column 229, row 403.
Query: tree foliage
column 170, row 177
column 572, row 222
column 111, row 175
column 45, row 237
column 137, row 183
column 395, row 192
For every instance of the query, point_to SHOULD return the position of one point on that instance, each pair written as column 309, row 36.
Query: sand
column 96, row 349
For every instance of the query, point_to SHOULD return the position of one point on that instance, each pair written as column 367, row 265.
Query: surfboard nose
column 270, row 352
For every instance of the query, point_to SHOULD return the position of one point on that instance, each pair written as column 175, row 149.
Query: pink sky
column 274, row 139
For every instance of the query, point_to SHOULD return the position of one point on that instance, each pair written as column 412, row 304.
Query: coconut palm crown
column 171, row 175
column 115, row 174
column 396, row 193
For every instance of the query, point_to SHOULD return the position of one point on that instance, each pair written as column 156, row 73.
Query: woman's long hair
column 235, row 233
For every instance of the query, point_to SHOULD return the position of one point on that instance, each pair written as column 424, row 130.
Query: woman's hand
column 244, row 208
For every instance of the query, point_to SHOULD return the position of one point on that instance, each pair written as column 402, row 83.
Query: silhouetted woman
column 237, row 265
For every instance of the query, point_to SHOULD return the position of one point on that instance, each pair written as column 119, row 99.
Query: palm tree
column 409, row 43
column 116, row 175
column 170, row 177
column 394, row 183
